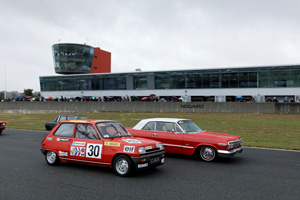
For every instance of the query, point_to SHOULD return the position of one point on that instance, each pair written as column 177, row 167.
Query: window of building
column 139, row 81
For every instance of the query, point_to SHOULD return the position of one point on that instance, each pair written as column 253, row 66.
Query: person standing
column 275, row 100
column 269, row 99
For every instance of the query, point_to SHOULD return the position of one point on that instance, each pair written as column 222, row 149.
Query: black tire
column 207, row 153
column 122, row 165
column 51, row 158
column 0, row 132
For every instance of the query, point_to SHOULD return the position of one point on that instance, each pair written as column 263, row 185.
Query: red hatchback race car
column 183, row 136
column 101, row 143
column 2, row 126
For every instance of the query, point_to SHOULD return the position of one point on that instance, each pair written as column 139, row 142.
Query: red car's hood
column 135, row 141
column 220, row 136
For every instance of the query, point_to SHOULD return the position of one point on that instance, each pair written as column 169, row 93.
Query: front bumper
column 149, row 160
column 225, row 153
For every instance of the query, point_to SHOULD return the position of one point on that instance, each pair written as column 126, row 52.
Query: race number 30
column 93, row 150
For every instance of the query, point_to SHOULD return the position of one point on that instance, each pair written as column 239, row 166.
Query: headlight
column 160, row 146
column 230, row 146
column 142, row 150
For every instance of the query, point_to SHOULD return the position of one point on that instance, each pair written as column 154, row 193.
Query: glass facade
column 140, row 81
column 253, row 77
column 72, row 58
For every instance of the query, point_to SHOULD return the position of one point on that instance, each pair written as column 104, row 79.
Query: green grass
column 257, row 130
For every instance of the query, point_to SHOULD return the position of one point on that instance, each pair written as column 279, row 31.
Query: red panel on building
column 101, row 61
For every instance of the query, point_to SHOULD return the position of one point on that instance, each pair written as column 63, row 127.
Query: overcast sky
column 147, row 34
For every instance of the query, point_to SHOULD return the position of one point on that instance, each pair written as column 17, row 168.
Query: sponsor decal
column 49, row 138
column 113, row 144
column 62, row 139
column 192, row 106
column 78, row 121
column 75, row 143
column 62, row 153
column 148, row 147
column 94, row 150
column 129, row 149
column 77, row 151
column 131, row 141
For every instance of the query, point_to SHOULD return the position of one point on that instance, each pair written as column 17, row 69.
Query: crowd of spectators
column 99, row 99
column 285, row 100
column 135, row 98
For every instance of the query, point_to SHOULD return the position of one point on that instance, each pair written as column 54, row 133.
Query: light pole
column 4, row 81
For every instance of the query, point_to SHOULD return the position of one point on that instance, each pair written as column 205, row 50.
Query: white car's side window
column 177, row 129
column 149, row 126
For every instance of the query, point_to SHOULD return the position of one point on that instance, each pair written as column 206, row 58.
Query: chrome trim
column 64, row 158
column 233, row 151
column 235, row 143
column 172, row 145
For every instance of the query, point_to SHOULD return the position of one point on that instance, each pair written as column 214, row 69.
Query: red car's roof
column 88, row 120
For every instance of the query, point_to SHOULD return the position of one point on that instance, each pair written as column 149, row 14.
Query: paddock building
column 86, row 72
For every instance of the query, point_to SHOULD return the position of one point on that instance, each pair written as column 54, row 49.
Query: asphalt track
column 255, row 174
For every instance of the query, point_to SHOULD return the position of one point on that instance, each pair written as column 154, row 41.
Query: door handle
column 154, row 134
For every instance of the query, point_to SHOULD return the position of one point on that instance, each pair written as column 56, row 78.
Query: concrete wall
column 78, row 107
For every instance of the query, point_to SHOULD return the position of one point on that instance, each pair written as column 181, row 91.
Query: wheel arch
column 199, row 146
column 119, row 154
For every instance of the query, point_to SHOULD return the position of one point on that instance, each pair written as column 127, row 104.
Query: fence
column 213, row 107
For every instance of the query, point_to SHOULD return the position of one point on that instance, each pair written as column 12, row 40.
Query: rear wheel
column 207, row 153
column 122, row 165
column 51, row 158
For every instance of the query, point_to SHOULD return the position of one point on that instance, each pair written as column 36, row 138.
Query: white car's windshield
column 112, row 130
column 189, row 126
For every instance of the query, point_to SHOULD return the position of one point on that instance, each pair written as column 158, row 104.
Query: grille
column 236, row 143
column 152, row 150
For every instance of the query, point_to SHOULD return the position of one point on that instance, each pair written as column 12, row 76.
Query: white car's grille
column 235, row 144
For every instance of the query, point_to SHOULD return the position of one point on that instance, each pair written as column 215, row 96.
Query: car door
column 86, row 145
column 170, row 135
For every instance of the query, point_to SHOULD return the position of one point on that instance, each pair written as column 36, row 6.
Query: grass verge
column 257, row 130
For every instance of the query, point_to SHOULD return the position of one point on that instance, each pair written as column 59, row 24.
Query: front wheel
column 122, row 165
column 51, row 158
column 207, row 153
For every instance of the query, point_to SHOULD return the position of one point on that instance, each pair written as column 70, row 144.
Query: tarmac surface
column 255, row 174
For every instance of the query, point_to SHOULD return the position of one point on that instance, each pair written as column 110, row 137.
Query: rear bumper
column 149, row 160
column 43, row 151
column 225, row 153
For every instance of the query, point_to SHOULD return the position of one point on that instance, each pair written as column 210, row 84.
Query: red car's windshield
column 112, row 129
